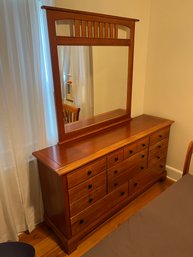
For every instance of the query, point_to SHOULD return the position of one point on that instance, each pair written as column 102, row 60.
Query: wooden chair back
column 71, row 113
column 188, row 158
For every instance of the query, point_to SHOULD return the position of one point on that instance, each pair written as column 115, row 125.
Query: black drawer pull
column 90, row 200
column 89, row 172
column 161, row 166
column 116, row 159
column 160, row 136
column 115, row 184
column 142, row 167
column 158, row 157
column 142, row 156
column 130, row 151
column 135, row 184
column 89, row 186
column 122, row 193
column 143, row 145
column 115, row 172
column 159, row 146
column 81, row 221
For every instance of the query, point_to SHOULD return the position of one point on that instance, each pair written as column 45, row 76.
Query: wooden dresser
column 86, row 181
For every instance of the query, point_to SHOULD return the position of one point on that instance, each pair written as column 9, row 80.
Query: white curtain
column 27, row 115
column 77, row 61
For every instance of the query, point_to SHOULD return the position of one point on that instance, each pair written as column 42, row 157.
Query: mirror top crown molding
column 89, row 29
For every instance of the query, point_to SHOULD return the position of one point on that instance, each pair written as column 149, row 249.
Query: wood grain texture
column 47, row 244
column 69, row 156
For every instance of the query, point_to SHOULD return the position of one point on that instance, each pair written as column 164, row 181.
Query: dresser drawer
column 87, row 171
column 114, row 158
column 87, row 187
column 159, row 135
column 139, row 182
column 160, row 146
column 133, row 148
column 91, row 214
column 115, row 182
column 156, row 156
column 157, row 166
column 137, row 160
column 142, row 144
column 87, row 200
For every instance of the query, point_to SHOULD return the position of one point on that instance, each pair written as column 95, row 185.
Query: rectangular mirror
column 94, row 80
column 92, row 65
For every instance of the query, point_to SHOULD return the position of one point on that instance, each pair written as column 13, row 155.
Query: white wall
column 169, row 83
column 129, row 8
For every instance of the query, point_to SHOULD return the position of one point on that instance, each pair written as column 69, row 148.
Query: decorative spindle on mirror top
column 78, row 28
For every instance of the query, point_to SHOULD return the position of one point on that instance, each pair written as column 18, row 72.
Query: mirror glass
column 93, row 79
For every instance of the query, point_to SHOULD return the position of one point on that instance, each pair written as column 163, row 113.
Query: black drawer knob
column 143, row 145
column 115, row 172
column 122, row 193
column 116, row 159
column 158, row 157
column 89, row 186
column 115, row 184
column 161, row 165
column 130, row 151
column 159, row 146
column 135, row 184
column 142, row 156
column 90, row 200
column 89, row 172
column 142, row 167
column 81, row 221
column 160, row 136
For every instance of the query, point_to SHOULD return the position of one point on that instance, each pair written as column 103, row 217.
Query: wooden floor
column 47, row 245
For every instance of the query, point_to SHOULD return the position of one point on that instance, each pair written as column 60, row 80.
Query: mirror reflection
column 93, row 80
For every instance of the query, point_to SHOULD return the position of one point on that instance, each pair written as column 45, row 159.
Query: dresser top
column 68, row 156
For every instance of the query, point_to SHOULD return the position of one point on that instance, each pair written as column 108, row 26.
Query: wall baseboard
column 173, row 173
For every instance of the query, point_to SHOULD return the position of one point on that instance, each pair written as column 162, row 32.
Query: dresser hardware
column 142, row 167
column 90, row 200
column 159, row 146
column 142, row 156
column 115, row 184
column 116, row 159
column 161, row 166
column 89, row 186
column 160, row 136
column 143, row 145
column 122, row 193
column 135, row 184
column 81, row 221
column 115, row 172
column 158, row 157
column 131, row 151
column 89, row 172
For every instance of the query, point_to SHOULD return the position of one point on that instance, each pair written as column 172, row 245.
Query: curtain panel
column 27, row 114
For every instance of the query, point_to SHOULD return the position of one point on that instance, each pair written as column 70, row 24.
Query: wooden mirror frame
column 105, row 34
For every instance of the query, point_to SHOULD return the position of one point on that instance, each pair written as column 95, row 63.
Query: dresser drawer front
column 115, row 182
column 130, row 150
column 139, row 182
column 87, row 187
column 142, row 144
column 135, row 161
column 87, row 171
column 159, row 135
column 91, row 214
column 158, row 147
column 114, row 158
column 87, row 200
column 158, row 166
